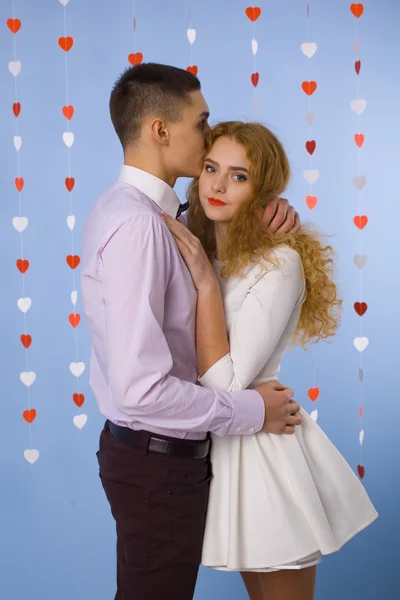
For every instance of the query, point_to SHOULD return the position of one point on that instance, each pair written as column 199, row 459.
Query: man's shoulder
column 118, row 207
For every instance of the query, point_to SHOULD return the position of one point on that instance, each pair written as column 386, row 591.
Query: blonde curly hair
column 248, row 240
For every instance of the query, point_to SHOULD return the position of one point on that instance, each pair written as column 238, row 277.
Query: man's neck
column 150, row 165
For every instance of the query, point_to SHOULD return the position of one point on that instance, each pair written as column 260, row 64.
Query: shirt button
column 252, row 429
column 238, row 429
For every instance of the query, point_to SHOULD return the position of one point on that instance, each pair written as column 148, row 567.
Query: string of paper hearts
column 191, row 36
column 135, row 58
column 254, row 13
column 20, row 223
column 76, row 367
column 360, row 221
column 311, row 175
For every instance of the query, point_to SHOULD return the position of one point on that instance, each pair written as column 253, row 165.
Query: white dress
column 276, row 501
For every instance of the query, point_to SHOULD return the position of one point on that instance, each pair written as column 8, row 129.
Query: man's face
column 186, row 150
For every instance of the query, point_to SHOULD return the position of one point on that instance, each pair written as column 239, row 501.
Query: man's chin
column 192, row 172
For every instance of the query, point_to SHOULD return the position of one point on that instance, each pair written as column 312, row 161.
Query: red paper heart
column 135, row 59
column 79, row 399
column 66, row 43
column 26, row 340
column 311, row 202
column 359, row 139
column 70, row 182
column 360, row 308
column 29, row 415
column 14, row 25
column 313, row 393
column 23, row 265
column 360, row 221
column 68, row 111
column 361, row 411
column 357, row 9
column 357, row 66
column 309, row 87
column 361, row 471
column 253, row 12
column 255, row 78
column 193, row 70
column 74, row 319
column 73, row 261
column 19, row 183
column 311, row 146
column 16, row 108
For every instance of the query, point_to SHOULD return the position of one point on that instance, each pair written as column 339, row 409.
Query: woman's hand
column 193, row 253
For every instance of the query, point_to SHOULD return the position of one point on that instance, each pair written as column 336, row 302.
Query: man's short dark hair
column 149, row 89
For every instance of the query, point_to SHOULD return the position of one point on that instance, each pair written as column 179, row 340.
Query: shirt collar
column 153, row 187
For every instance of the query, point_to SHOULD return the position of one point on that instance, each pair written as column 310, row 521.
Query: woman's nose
column 218, row 184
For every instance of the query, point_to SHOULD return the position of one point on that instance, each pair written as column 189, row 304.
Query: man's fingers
column 289, row 221
column 280, row 216
column 293, row 408
column 269, row 211
column 289, row 429
column 293, row 420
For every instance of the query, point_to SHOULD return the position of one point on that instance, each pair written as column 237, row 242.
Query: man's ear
column 160, row 132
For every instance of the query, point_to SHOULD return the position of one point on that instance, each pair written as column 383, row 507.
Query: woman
column 277, row 502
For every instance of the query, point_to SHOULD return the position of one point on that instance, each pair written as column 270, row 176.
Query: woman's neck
column 221, row 231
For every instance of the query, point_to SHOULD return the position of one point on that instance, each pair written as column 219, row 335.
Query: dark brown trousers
column 159, row 504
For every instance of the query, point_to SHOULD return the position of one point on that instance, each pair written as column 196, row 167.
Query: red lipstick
column 215, row 202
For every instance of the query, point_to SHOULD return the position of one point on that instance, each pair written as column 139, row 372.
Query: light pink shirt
column 140, row 305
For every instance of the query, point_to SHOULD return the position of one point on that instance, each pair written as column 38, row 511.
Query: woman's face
column 224, row 183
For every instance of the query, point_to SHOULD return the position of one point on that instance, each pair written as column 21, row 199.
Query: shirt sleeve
column 136, row 264
column 259, row 323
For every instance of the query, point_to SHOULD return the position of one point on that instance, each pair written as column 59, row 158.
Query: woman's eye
column 243, row 177
column 209, row 169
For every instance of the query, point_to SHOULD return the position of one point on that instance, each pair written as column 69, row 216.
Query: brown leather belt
column 173, row 446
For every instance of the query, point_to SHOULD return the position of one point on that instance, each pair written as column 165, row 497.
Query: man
column 140, row 304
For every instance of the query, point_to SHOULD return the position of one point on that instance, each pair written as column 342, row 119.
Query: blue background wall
column 57, row 536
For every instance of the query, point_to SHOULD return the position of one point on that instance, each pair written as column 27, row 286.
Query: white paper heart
column 31, row 455
column 358, row 106
column 314, row 415
column 71, row 221
column 256, row 105
column 17, row 142
column 310, row 118
column 309, row 49
column 68, row 138
column 311, row 176
column 24, row 304
column 77, row 368
column 361, row 374
column 361, row 437
column 80, row 421
column 20, row 223
column 361, row 343
column 64, row 2
column 361, row 260
column 27, row 378
column 359, row 181
column 357, row 47
column 15, row 67
column 191, row 33
column 74, row 297
column 254, row 46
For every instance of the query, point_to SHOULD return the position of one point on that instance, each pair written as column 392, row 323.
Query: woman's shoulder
column 283, row 258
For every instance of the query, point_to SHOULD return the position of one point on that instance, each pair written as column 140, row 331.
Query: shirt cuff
column 249, row 413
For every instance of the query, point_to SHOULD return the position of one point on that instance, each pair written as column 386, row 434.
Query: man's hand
column 280, row 217
column 281, row 413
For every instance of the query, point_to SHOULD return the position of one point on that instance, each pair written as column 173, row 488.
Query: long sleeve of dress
column 259, row 323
